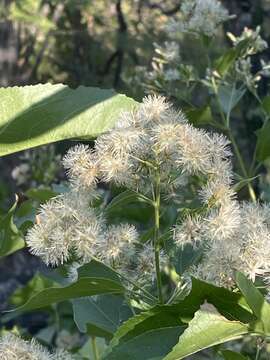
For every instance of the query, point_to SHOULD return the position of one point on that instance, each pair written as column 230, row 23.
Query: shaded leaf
column 229, row 97
column 263, row 143
column 41, row 194
column 87, row 286
column 229, row 304
column 100, row 316
column 11, row 238
column 151, row 345
column 255, row 300
column 199, row 117
column 98, row 270
column 225, row 62
column 231, row 355
column 206, row 329
column 35, row 285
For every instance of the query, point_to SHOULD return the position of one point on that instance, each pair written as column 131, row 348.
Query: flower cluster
column 251, row 43
column 199, row 16
column 235, row 236
column 67, row 226
column 13, row 347
column 252, row 39
column 154, row 142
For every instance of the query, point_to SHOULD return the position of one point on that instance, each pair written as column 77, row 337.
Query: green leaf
column 231, row 355
column 263, row 143
column 201, row 116
column 147, row 321
column 100, row 316
column 99, row 270
column 87, row 286
column 125, row 197
column 229, row 304
column 42, row 114
column 229, row 97
column 41, row 194
column 255, row 300
column 11, row 238
column 206, row 329
column 185, row 257
column 87, row 351
column 122, row 199
column 151, row 345
column 225, row 62
column 35, row 285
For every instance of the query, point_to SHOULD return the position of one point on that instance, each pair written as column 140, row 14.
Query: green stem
column 258, row 353
column 226, row 122
column 94, row 347
column 146, row 293
column 156, row 236
column 242, row 165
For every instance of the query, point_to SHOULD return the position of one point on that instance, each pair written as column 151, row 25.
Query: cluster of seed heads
column 13, row 347
column 155, row 140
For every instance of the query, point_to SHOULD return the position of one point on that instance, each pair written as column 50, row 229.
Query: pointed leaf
column 42, row 114
column 151, row 345
column 11, row 238
column 206, row 329
column 255, row 300
column 100, row 316
column 87, row 286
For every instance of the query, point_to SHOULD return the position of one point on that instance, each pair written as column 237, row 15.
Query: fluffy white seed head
column 188, row 232
column 216, row 192
column 144, row 272
column 245, row 247
column 13, row 347
column 82, row 166
column 65, row 223
column 223, row 222
column 118, row 245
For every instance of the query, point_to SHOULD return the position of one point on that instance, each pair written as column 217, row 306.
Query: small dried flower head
column 193, row 150
column 223, row 222
column 165, row 138
column 188, row 232
column 144, row 270
column 153, row 110
column 245, row 247
column 218, row 266
column 118, row 245
column 82, row 166
column 65, row 223
column 116, row 168
column 216, row 192
column 14, row 348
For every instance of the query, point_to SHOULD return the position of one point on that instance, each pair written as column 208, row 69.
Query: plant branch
column 94, row 347
column 156, row 236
